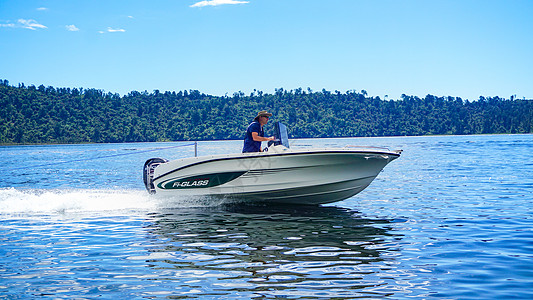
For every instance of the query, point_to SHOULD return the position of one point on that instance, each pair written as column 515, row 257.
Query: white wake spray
column 78, row 200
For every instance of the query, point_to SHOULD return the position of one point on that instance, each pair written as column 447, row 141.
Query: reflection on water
column 279, row 251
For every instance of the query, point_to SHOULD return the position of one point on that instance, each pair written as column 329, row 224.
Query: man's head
column 262, row 117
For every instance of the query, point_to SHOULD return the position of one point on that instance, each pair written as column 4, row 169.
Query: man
column 255, row 134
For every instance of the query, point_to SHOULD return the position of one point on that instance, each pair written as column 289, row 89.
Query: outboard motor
column 280, row 135
column 148, row 172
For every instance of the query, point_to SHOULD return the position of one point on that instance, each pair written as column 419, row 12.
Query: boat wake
column 16, row 201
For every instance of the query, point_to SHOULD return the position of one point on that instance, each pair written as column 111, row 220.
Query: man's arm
column 257, row 138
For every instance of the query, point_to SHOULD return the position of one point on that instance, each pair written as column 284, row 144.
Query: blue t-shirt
column 249, row 144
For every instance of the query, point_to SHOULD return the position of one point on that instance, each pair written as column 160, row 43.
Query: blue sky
column 463, row 48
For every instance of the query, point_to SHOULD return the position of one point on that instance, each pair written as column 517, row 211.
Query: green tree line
column 30, row 114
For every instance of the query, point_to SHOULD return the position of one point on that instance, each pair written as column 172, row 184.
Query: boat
column 279, row 174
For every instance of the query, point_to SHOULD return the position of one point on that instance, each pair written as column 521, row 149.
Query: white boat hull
column 280, row 175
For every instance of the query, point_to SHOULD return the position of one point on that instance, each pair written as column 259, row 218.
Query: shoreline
column 304, row 138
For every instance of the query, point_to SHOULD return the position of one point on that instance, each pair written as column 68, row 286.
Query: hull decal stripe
column 200, row 181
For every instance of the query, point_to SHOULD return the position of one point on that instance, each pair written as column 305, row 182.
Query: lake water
column 451, row 218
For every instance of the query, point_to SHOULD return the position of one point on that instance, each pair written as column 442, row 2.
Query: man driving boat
column 255, row 134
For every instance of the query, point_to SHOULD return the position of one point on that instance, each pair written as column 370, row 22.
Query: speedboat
column 277, row 175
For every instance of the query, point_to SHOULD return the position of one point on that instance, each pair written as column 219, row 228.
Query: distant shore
column 292, row 139
column 47, row 115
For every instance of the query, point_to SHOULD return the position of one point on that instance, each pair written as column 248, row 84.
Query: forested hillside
column 30, row 114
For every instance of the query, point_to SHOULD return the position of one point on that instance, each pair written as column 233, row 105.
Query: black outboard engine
column 148, row 172
column 280, row 135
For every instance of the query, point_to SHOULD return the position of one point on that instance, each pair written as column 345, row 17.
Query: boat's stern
column 148, row 172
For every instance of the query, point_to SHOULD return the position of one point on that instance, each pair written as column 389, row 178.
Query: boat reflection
column 273, row 251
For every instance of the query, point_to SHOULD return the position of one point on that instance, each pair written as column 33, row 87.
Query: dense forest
column 30, row 114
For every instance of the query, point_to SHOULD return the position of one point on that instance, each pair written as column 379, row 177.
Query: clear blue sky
column 462, row 48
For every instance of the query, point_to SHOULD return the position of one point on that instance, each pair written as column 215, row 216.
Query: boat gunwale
column 267, row 154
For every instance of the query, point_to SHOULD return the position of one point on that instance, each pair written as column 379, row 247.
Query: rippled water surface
column 452, row 218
